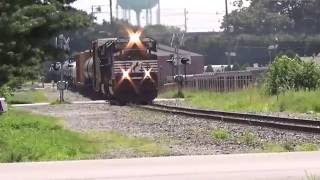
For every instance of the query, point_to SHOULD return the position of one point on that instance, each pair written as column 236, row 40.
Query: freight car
column 121, row 70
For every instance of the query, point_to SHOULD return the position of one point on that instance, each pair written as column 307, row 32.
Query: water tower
column 138, row 6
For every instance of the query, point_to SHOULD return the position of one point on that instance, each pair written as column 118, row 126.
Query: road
column 283, row 166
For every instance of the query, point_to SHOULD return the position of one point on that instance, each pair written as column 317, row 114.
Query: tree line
column 28, row 29
column 292, row 25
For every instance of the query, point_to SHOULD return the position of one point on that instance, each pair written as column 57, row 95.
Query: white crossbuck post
column 3, row 105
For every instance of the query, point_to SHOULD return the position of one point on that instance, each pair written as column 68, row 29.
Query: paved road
column 223, row 167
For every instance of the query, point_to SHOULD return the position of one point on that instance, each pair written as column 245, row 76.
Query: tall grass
column 28, row 97
column 253, row 100
column 28, row 137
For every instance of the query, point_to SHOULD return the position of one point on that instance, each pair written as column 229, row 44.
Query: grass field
column 253, row 100
column 28, row 97
column 28, row 137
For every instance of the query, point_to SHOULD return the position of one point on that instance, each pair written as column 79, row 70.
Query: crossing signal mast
column 176, row 60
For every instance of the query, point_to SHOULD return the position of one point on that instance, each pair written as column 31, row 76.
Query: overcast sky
column 203, row 15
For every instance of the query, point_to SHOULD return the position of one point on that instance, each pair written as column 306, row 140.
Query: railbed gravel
column 309, row 115
column 182, row 135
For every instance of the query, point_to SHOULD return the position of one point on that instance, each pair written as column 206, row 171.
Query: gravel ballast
column 182, row 135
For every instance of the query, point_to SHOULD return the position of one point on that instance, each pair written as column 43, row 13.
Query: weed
column 249, row 138
column 312, row 176
column 273, row 148
column 307, row 147
column 289, row 146
column 220, row 134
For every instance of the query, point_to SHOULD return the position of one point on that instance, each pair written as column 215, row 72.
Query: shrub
column 5, row 91
column 292, row 74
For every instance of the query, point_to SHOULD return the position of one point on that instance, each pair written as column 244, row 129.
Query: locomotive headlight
column 125, row 74
column 135, row 37
column 147, row 74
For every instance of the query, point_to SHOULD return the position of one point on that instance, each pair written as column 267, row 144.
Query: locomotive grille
column 136, row 66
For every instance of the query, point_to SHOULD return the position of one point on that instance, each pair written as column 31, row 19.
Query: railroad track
column 295, row 124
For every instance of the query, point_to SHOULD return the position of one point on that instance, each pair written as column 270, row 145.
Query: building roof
column 164, row 50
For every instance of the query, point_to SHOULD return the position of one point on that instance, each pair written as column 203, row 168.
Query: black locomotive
column 119, row 69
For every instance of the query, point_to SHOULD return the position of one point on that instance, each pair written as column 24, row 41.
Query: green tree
column 292, row 74
column 257, row 19
column 27, row 29
column 270, row 16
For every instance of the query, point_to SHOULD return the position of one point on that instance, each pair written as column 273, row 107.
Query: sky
column 203, row 15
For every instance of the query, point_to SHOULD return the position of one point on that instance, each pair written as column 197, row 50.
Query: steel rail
column 295, row 124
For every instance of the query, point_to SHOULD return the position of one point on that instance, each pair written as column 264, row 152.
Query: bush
column 5, row 91
column 292, row 74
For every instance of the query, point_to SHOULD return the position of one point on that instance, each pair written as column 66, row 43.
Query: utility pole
column 228, row 53
column 111, row 18
column 227, row 15
column 185, row 20
column 158, row 13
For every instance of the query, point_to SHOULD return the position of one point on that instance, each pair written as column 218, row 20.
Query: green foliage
column 307, row 147
column 82, row 38
column 272, row 16
column 273, row 148
column 5, row 91
column 28, row 137
column 161, row 33
column 28, row 97
column 27, row 29
column 257, row 19
column 249, row 138
column 220, row 134
column 252, row 100
column 292, row 74
column 179, row 94
column 289, row 147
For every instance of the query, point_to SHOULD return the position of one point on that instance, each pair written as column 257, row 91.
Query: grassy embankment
column 28, row 97
column 253, row 100
column 29, row 137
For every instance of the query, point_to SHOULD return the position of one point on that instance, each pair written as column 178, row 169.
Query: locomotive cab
column 125, row 69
